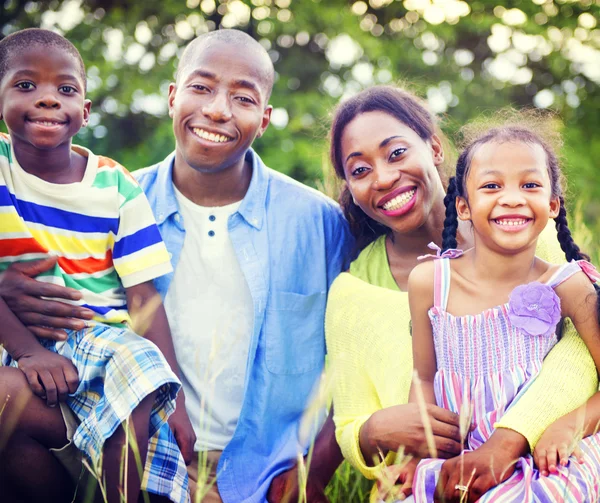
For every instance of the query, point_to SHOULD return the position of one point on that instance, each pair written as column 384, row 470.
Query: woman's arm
column 369, row 350
column 567, row 379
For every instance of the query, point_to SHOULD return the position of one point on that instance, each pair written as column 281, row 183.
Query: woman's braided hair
column 513, row 134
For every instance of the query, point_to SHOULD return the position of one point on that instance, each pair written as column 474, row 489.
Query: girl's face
column 509, row 195
column 391, row 171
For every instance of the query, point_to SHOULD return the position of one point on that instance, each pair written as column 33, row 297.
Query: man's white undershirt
column 210, row 313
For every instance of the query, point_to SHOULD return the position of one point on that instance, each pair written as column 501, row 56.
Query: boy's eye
column 26, row 86
column 67, row 89
column 397, row 152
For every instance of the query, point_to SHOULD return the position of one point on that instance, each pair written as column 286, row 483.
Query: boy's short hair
column 24, row 39
column 233, row 37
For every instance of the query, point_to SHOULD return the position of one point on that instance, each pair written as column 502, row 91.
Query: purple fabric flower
column 534, row 308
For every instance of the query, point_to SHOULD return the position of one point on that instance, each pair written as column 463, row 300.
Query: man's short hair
column 232, row 37
column 11, row 45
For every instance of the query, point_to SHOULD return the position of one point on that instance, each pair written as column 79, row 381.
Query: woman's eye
column 25, row 85
column 397, row 152
column 359, row 171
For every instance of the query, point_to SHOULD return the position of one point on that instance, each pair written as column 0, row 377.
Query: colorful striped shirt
column 101, row 229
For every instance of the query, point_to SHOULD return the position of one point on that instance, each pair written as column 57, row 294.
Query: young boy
column 62, row 200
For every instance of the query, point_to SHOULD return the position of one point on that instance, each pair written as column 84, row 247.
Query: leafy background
column 464, row 57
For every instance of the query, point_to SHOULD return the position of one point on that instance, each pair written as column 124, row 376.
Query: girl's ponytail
column 568, row 245
column 451, row 220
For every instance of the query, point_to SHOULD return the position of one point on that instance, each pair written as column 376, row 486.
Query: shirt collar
column 253, row 205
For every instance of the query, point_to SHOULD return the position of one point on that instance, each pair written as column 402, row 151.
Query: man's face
column 218, row 106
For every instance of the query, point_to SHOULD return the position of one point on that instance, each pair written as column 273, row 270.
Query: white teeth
column 47, row 123
column 399, row 201
column 510, row 222
column 217, row 138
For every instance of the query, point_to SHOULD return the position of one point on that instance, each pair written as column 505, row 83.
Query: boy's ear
column 171, row 98
column 87, row 107
column 438, row 150
column 266, row 119
column 554, row 207
column 462, row 208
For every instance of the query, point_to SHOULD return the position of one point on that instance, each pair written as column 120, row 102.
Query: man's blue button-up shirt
column 291, row 242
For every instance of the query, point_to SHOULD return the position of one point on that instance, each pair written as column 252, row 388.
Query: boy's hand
column 395, row 483
column 559, row 441
column 25, row 298
column 284, row 489
column 51, row 376
column 182, row 429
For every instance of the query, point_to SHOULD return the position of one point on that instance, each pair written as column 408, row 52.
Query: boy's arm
column 150, row 321
column 420, row 298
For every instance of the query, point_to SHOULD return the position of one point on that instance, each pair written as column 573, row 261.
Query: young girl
column 483, row 320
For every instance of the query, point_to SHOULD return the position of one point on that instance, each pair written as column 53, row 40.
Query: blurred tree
column 464, row 57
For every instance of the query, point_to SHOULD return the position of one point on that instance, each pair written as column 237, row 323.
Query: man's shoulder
column 286, row 190
column 145, row 176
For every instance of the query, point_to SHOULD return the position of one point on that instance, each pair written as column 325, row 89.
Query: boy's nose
column 48, row 100
column 218, row 109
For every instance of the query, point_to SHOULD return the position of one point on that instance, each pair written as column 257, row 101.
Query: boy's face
column 218, row 106
column 42, row 98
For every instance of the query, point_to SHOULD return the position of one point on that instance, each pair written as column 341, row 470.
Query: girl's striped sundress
column 486, row 361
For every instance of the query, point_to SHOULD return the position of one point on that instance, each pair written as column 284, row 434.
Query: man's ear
column 462, row 208
column 87, row 107
column 438, row 150
column 171, row 98
column 266, row 119
column 554, row 207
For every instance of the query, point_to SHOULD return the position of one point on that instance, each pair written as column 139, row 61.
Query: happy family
column 164, row 332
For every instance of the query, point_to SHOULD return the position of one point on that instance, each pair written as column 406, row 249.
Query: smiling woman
column 386, row 148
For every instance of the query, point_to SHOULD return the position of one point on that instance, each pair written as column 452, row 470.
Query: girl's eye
column 67, row 89
column 359, row 171
column 397, row 152
column 531, row 185
column 491, row 186
column 26, row 86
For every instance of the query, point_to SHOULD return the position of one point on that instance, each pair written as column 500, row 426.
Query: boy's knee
column 13, row 384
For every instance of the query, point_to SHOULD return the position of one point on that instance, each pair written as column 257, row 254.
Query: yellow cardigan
column 370, row 352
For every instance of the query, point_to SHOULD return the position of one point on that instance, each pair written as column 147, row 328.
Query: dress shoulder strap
column 441, row 286
column 569, row 269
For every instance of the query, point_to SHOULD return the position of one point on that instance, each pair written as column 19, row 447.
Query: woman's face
column 391, row 171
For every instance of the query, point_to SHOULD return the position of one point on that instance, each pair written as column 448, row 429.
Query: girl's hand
column 559, row 441
column 395, row 482
column 51, row 376
column 481, row 469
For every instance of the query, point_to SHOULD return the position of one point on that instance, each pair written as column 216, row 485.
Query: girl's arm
column 420, row 297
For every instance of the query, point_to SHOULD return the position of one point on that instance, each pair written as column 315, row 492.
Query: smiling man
column 254, row 254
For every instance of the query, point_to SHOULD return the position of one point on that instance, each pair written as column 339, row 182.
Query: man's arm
column 27, row 299
column 325, row 459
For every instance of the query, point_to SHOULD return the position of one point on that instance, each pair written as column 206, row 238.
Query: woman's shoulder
column 548, row 247
column 372, row 265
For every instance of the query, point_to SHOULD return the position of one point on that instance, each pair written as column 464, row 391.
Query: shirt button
column 212, row 218
column 255, row 221
column 211, row 233
column 177, row 217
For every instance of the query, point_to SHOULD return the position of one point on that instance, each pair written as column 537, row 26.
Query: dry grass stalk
column 424, row 416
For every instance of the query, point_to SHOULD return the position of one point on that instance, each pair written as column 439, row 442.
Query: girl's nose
column 512, row 198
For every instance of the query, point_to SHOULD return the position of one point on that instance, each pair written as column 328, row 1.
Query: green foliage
column 465, row 57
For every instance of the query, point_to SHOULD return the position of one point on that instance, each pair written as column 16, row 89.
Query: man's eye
column 199, row 87
column 245, row 99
